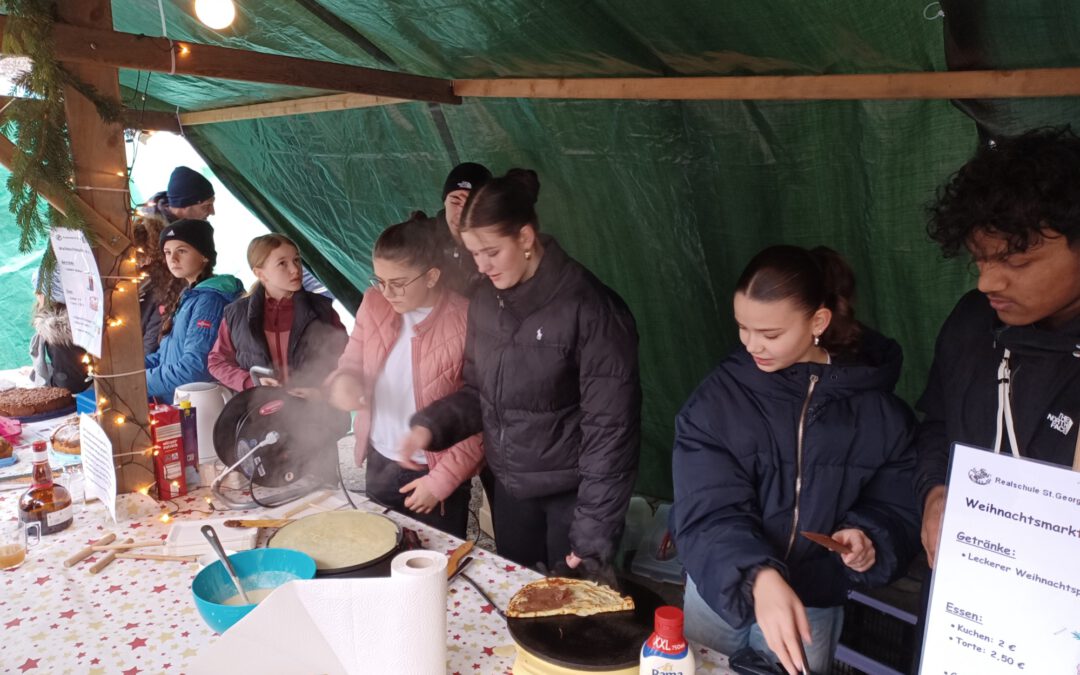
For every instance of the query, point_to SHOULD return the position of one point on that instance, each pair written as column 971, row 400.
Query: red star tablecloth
column 138, row 616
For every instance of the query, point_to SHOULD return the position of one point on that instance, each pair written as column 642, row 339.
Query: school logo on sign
column 1060, row 423
column 979, row 476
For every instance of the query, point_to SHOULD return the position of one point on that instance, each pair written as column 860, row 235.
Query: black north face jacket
column 551, row 378
column 960, row 403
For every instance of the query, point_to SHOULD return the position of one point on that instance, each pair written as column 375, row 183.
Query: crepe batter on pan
column 338, row 539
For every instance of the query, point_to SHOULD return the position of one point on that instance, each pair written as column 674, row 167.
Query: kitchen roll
column 393, row 626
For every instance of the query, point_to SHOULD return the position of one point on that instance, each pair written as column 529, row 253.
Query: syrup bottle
column 667, row 652
column 45, row 502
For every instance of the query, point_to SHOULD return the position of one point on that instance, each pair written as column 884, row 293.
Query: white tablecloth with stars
column 138, row 616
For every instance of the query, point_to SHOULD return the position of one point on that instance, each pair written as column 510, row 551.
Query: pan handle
column 259, row 371
column 484, row 595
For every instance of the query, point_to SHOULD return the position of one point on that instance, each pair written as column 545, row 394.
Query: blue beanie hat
column 188, row 187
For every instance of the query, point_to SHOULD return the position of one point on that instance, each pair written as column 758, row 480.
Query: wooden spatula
column 455, row 558
column 267, row 522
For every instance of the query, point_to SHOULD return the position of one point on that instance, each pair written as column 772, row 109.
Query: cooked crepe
column 338, row 539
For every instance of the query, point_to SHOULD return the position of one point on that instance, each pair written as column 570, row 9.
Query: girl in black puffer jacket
column 798, row 432
column 551, row 378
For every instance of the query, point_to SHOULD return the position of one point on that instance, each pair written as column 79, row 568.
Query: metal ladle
column 215, row 543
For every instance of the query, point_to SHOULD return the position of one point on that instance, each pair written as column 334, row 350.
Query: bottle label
column 650, row 651
column 661, row 646
column 58, row 517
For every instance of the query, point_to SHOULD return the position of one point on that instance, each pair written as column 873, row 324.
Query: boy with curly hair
column 1006, row 370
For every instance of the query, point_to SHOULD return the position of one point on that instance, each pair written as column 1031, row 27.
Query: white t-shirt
column 395, row 397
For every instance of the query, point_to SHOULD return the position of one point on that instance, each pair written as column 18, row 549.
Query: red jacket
column 438, row 350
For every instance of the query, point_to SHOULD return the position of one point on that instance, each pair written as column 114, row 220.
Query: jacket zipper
column 798, row 463
column 498, row 382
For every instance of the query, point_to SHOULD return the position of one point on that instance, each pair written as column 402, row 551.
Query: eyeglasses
column 393, row 288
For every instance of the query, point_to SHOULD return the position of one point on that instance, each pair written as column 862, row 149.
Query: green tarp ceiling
column 665, row 201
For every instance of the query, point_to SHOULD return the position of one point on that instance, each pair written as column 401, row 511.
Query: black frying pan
column 600, row 642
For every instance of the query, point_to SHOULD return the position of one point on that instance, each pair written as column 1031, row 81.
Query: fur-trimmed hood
column 50, row 321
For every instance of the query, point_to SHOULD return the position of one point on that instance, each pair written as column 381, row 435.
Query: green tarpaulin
column 664, row 201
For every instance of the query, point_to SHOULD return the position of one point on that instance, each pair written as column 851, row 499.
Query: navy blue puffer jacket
column 743, row 493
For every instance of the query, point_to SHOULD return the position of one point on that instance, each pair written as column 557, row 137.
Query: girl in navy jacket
column 799, row 431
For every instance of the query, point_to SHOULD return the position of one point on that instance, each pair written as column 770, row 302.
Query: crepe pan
column 361, row 568
column 306, row 431
column 602, row 642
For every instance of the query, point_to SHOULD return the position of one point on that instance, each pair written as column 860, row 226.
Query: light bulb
column 216, row 14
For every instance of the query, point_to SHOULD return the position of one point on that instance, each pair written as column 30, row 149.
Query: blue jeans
column 704, row 626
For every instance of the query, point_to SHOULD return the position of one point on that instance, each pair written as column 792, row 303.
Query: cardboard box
column 168, row 452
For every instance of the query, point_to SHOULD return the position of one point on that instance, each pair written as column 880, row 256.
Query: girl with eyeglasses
column 406, row 351
column 278, row 325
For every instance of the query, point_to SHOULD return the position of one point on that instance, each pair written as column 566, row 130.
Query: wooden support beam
column 151, row 119
column 97, row 149
column 1030, row 83
column 105, row 47
column 299, row 106
column 109, row 237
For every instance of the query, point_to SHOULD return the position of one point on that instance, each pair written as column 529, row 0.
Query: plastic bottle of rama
column 666, row 652
column 45, row 502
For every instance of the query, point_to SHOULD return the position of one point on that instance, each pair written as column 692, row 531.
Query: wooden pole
column 302, row 106
column 1030, row 83
column 102, row 46
column 100, row 162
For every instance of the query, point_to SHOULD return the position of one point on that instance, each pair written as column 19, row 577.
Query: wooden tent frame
column 85, row 42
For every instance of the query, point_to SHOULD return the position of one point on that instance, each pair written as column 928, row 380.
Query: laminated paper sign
column 1006, row 593
column 97, row 459
column 82, row 287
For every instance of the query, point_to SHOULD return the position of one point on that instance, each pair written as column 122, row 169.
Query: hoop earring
column 817, row 340
column 528, row 254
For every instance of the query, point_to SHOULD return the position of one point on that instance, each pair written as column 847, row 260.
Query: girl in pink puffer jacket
column 405, row 352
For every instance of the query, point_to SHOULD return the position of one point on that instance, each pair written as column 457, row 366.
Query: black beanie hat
column 465, row 176
column 188, row 187
column 198, row 233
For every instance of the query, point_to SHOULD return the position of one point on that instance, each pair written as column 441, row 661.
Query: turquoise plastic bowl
column 257, row 568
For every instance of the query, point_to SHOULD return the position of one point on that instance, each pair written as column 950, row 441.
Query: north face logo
column 1060, row 422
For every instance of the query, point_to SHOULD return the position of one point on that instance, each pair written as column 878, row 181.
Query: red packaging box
column 169, row 451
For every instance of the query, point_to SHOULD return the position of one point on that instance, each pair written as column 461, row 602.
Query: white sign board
column 97, row 459
column 1006, row 593
column 82, row 287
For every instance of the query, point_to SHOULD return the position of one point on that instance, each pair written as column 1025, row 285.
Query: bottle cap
column 41, row 451
column 668, row 622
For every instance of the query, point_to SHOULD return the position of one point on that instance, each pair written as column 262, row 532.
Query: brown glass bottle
column 45, row 502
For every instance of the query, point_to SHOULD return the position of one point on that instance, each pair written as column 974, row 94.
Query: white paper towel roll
column 400, row 627
column 390, row 626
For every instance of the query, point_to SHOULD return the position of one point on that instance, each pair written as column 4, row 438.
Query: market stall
column 138, row 616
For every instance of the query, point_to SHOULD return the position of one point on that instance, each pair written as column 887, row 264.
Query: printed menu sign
column 1006, row 593
column 82, row 287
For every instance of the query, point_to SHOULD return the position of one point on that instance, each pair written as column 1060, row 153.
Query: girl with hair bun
column 278, row 325
column 797, row 432
column 406, row 351
column 551, row 379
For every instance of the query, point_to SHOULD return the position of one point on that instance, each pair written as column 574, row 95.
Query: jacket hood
column 225, row 285
column 50, row 321
column 874, row 367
